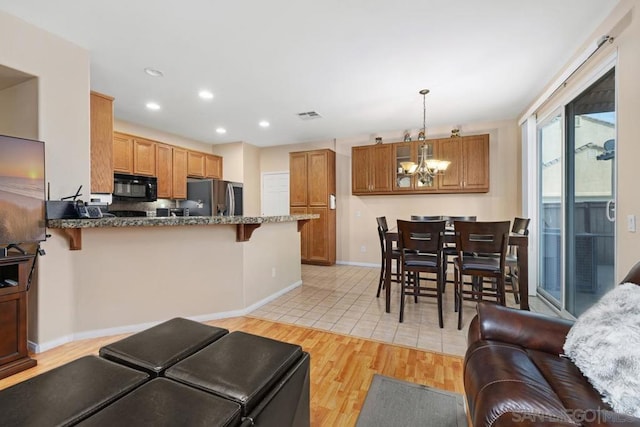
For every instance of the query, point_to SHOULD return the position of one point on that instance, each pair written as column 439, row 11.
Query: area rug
column 391, row 402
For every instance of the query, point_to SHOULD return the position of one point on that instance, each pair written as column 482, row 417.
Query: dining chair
column 395, row 255
column 420, row 244
column 449, row 249
column 481, row 253
column 520, row 226
column 426, row 218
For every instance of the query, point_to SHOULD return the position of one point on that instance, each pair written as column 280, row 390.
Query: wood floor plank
column 342, row 366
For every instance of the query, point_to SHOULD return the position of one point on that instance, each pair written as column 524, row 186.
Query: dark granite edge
column 173, row 221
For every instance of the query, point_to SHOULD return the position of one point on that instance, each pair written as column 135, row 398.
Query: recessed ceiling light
column 153, row 106
column 221, row 130
column 264, row 124
column 153, row 72
column 205, row 94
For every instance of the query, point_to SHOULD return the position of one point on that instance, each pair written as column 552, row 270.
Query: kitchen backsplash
column 149, row 207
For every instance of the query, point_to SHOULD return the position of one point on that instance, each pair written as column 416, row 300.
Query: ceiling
column 358, row 63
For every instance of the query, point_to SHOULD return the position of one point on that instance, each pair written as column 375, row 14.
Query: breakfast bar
column 134, row 272
column 245, row 225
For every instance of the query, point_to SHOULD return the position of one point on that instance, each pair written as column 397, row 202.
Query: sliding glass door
column 577, row 199
column 591, row 119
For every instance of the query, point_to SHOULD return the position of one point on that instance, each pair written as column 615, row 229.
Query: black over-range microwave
column 135, row 188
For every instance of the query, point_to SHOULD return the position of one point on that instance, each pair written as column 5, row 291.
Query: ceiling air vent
column 309, row 115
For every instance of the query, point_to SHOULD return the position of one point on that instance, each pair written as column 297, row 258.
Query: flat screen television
column 22, row 191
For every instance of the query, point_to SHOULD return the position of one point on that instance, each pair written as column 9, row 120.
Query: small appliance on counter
column 214, row 197
column 172, row 212
column 128, row 214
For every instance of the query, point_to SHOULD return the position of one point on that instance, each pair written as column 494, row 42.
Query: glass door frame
column 557, row 114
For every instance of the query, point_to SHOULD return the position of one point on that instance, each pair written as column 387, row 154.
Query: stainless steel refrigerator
column 213, row 197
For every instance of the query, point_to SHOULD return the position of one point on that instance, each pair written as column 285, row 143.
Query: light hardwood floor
column 342, row 366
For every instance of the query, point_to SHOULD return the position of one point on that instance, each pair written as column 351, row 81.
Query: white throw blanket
column 604, row 344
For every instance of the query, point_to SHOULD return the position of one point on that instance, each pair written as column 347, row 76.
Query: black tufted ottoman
column 68, row 393
column 269, row 379
column 155, row 349
column 162, row 402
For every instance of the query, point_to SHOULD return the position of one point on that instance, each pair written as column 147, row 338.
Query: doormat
column 391, row 402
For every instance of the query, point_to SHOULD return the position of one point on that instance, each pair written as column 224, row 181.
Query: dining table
column 521, row 241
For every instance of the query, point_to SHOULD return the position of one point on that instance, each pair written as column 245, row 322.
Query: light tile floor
column 342, row 299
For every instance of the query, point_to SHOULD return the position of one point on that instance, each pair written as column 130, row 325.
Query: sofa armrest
column 524, row 328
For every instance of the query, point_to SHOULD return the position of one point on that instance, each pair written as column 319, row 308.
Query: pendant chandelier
column 427, row 167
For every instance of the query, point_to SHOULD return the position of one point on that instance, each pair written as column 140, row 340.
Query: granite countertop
column 173, row 221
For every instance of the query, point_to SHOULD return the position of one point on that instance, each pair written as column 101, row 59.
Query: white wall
column 62, row 70
column 19, row 110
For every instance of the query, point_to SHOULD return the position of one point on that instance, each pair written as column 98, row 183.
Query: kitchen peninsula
column 135, row 272
column 244, row 224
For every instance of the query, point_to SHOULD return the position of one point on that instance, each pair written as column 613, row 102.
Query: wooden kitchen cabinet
column 144, row 157
column 372, row 169
column 164, row 170
column 195, row 164
column 298, row 177
column 122, row 153
column 312, row 178
column 101, row 143
column 469, row 168
column 14, row 356
column 179, row 185
column 375, row 169
column 133, row 155
column 212, row 166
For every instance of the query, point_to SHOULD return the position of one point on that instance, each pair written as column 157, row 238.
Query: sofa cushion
column 573, row 389
column 604, row 344
column 512, row 390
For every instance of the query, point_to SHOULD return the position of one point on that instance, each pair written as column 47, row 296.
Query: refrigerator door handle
column 232, row 203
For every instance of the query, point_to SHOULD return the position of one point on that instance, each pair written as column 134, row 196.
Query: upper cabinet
column 101, row 143
column 195, row 164
column 201, row 165
column 298, row 179
column 164, row 170
column 179, row 187
column 371, row 169
column 144, row 157
column 213, row 166
column 467, row 173
column 122, row 153
column 469, row 168
column 133, row 155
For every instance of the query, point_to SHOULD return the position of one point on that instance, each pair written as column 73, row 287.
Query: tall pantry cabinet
column 312, row 177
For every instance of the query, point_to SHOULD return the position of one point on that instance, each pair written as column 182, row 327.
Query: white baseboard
column 97, row 333
column 358, row 264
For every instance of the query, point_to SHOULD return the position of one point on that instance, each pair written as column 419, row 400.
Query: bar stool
column 395, row 255
column 421, row 252
column 520, row 226
column 482, row 251
column 449, row 250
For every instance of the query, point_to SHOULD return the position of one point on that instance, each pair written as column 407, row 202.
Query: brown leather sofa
column 514, row 374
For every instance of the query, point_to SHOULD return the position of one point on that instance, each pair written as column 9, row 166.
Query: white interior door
column 275, row 193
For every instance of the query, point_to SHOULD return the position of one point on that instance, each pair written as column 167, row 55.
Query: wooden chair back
column 521, row 226
column 426, row 218
column 421, row 236
column 482, row 237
